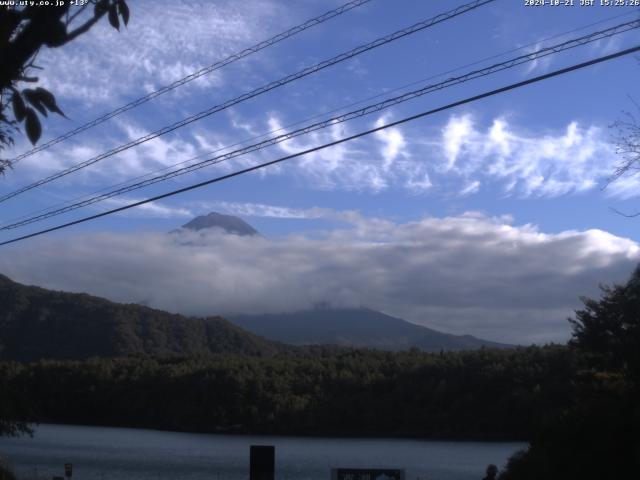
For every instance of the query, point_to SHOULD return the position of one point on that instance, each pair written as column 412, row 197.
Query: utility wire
column 467, row 100
column 204, row 71
column 265, row 88
column 511, row 63
column 299, row 122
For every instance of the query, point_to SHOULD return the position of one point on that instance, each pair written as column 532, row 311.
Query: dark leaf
column 32, row 124
column 54, row 33
column 19, row 109
column 100, row 8
column 34, row 99
column 48, row 100
column 113, row 17
column 124, row 11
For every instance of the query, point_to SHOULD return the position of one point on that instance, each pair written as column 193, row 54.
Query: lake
column 134, row 454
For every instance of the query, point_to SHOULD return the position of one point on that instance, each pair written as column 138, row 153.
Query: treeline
column 501, row 394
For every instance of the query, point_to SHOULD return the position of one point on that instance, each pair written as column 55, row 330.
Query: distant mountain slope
column 37, row 323
column 355, row 328
column 228, row 223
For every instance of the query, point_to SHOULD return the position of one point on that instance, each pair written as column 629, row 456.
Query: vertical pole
column 262, row 462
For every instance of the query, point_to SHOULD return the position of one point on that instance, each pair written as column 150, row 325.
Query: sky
column 491, row 218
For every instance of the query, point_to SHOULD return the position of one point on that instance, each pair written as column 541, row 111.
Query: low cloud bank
column 467, row 274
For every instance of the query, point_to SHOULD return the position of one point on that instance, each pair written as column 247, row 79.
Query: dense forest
column 475, row 394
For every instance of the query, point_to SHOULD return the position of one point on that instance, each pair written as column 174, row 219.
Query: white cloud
column 470, row 188
column 152, row 210
column 607, row 46
column 457, row 133
column 340, row 166
column 464, row 156
column 539, row 63
column 356, row 165
column 149, row 157
column 465, row 274
column 269, row 211
column 393, row 143
column 164, row 41
column 573, row 160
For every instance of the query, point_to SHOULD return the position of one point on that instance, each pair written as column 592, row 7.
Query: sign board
column 68, row 469
column 367, row 474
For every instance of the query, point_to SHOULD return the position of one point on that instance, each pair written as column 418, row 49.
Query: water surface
column 134, row 454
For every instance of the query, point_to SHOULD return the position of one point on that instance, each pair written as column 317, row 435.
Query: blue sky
column 525, row 167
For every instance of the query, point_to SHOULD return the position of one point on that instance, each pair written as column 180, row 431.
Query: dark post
column 262, row 462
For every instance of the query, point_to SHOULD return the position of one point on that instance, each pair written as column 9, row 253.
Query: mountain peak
column 228, row 223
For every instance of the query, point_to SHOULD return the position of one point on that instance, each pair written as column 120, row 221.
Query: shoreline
column 328, row 436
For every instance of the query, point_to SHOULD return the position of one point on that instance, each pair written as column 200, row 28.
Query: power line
column 367, row 110
column 255, row 137
column 467, row 100
column 203, row 71
column 265, row 88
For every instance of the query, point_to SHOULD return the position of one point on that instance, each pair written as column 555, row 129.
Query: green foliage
column 32, row 125
column 607, row 331
column 317, row 391
column 598, row 435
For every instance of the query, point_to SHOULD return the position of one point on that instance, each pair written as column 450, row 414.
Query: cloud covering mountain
column 469, row 274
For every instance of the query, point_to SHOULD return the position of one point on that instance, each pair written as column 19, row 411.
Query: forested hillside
column 36, row 323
